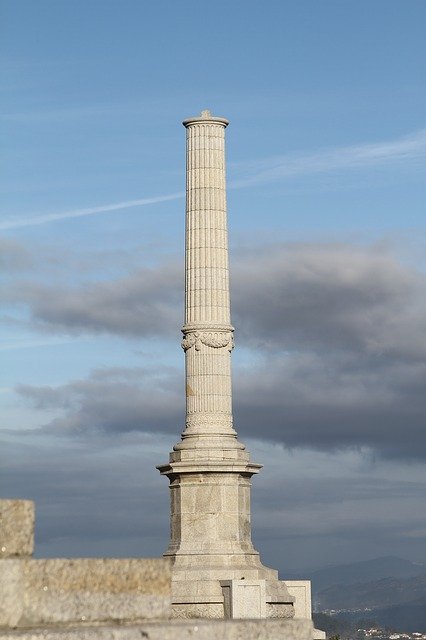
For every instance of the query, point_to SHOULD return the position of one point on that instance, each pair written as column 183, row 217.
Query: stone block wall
column 73, row 591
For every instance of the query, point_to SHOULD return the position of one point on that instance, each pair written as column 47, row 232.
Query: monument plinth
column 209, row 469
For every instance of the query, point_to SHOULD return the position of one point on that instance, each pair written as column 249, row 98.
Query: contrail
column 77, row 213
column 274, row 169
column 404, row 149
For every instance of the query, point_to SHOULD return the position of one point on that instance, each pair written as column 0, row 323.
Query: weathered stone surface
column 244, row 598
column 65, row 591
column 16, row 528
column 301, row 590
column 210, row 470
column 197, row 630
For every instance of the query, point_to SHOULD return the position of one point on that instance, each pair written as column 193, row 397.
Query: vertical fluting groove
column 206, row 263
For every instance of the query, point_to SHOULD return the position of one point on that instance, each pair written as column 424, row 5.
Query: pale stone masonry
column 92, row 590
column 101, row 598
column 16, row 528
column 210, row 470
column 73, row 590
column 173, row 630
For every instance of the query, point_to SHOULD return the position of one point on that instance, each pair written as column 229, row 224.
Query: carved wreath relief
column 215, row 339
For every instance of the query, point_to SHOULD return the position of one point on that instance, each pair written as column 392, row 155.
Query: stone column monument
column 216, row 570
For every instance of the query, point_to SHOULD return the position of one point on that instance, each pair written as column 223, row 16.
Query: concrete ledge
column 66, row 591
column 16, row 528
column 195, row 630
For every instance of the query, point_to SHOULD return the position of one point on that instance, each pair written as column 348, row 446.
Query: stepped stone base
column 134, row 598
column 65, row 591
column 174, row 630
column 211, row 539
column 219, row 592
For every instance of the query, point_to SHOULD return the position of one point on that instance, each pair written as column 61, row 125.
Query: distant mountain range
column 409, row 617
column 365, row 571
column 403, row 618
column 376, row 593
column 388, row 591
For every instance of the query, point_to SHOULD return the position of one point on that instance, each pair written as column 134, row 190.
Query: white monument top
column 205, row 117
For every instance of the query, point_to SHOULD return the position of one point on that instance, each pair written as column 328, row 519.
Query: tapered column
column 209, row 469
column 206, row 264
column 208, row 333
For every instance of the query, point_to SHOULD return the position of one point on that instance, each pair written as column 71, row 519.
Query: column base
column 204, row 598
column 200, row 582
column 211, row 538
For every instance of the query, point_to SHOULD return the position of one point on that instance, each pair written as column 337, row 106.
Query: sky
column 326, row 155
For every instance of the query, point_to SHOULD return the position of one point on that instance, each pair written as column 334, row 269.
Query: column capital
column 205, row 117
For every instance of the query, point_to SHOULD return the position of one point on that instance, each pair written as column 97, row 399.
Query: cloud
column 146, row 302
column 334, row 335
column 16, row 223
column 403, row 149
column 29, row 343
column 330, row 296
column 329, row 403
column 112, row 401
column 97, row 501
column 300, row 401
column 339, row 331
column 14, row 256
column 316, row 296
column 90, row 501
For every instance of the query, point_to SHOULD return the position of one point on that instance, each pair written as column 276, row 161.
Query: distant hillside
column 366, row 571
column 376, row 593
column 335, row 625
column 409, row 617
column 388, row 592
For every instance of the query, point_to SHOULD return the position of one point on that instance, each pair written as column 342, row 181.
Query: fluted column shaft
column 207, row 330
column 209, row 469
column 206, row 247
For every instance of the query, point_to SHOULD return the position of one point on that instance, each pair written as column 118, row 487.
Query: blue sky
column 326, row 155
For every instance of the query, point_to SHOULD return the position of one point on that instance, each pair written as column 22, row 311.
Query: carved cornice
column 197, row 420
column 214, row 339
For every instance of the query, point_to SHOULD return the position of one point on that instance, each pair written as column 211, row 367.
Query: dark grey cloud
column 93, row 500
column 330, row 296
column 329, row 402
column 319, row 507
column 296, row 401
column 14, row 256
column 289, row 296
column 113, row 401
column 336, row 332
column 147, row 302
column 89, row 501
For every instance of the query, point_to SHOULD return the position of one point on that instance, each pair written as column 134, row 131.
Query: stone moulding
column 214, row 339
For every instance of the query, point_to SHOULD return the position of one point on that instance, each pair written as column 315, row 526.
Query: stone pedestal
column 209, row 469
